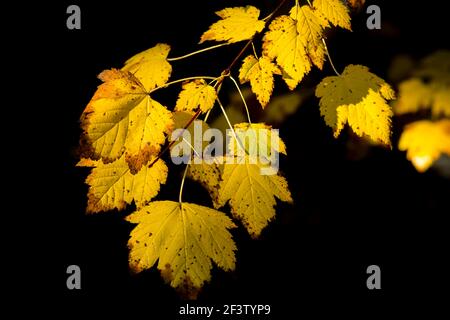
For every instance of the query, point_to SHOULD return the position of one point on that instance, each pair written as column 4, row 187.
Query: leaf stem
column 180, row 195
column 182, row 80
column 242, row 97
column 198, row 51
column 229, row 125
column 329, row 57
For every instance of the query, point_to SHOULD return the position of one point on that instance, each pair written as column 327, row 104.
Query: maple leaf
column 113, row 186
column 251, row 193
column 334, row 11
column 185, row 239
column 151, row 66
column 295, row 42
column 196, row 94
column 260, row 74
column 122, row 118
column 359, row 98
column 425, row 141
column 237, row 24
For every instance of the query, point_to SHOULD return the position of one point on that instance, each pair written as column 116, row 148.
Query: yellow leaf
column 113, row 186
column 295, row 42
column 122, row 118
column 196, row 94
column 334, row 11
column 185, row 239
column 260, row 74
column 237, row 24
column 151, row 66
column 251, row 194
column 359, row 98
column 425, row 141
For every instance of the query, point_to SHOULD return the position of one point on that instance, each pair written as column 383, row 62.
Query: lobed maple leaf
column 237, row 24
column 184, row 239
column 260, row 74
column 251, row 194
column 113, row 186
column 334, row 11
column 150, row 66
column 357, row 97
column 123, row 118
column 196, row 94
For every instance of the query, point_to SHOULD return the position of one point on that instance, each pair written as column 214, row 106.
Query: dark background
column 347, row 215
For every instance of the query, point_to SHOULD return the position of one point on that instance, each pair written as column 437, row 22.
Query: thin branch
column 182, row 80
column 242, row 97
column 275, row 10
column 198, row 51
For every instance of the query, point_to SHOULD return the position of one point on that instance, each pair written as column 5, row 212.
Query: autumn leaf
column 357, row 97
column 184, row 239
column 334, row 11
column 196, row 94
column 113, row 186
column 260, row 74
column 122, row 118
column 251, row 194
column 151, row 66
column 295, row 42
column 425, row 141
column 237, row 24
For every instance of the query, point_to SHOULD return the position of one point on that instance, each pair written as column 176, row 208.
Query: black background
column 347, row 215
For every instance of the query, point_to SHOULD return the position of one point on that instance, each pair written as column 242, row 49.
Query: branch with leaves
column 125, row 133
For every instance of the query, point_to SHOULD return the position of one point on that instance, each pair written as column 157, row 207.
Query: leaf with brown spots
column 113, row 186
column 185, row 239
column 123, row 118
column 260, row 74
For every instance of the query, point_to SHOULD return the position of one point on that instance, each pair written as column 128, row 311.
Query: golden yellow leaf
column 122, row 118
column 260, row 74
column 113, row 186
column 334, row 11
column 196, row 94
column 151, row 66
column 295, row 42
column 359, row 98
column 237, row 24
column 184, row 239
column 251, row 194
column 425, row 141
